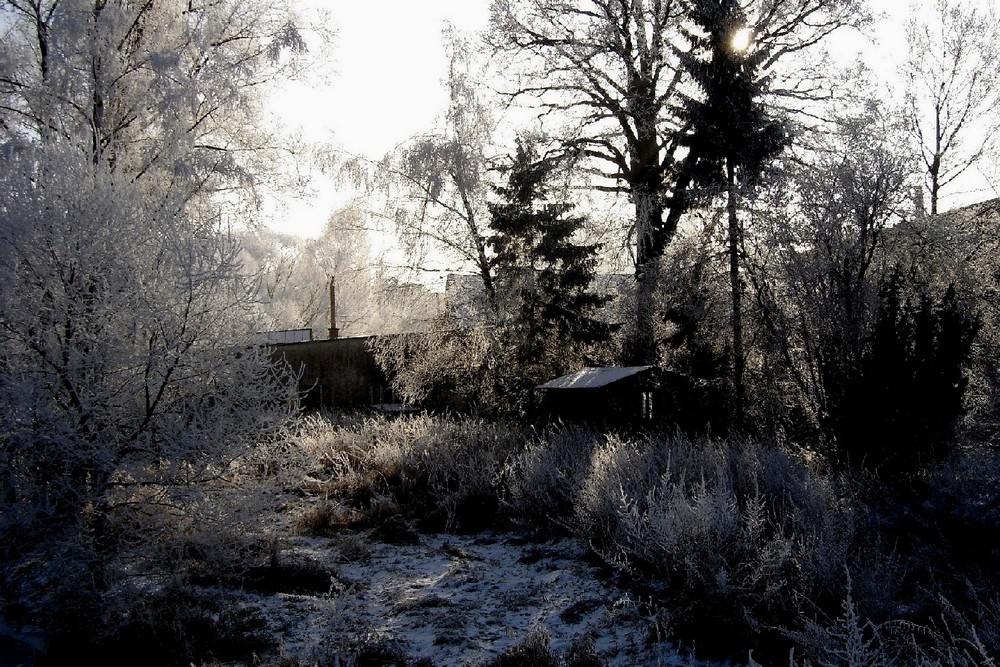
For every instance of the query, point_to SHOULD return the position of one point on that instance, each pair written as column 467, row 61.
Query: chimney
column 334, row 331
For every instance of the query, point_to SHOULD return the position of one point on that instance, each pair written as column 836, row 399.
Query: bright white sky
column 387, row 69
column 384, row 84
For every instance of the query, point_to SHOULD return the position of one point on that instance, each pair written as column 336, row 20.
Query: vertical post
column 334, row 331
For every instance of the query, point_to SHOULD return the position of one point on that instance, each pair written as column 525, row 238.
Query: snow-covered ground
column 462, row 600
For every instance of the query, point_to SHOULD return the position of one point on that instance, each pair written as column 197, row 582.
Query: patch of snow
column 463, row 600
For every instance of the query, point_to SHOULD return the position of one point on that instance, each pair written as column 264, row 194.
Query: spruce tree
column 732, row 135
column 896, row 411
column 547, row 312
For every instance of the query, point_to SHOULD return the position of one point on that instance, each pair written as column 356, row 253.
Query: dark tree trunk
column 649, row 248
column 736, row 287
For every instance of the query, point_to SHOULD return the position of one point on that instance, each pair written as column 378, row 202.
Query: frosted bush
column 951, row 639
column 736, row 533
column 620, row 471
column 547, row 474
column 732, row 534
column 130, row 386
column 430, row 465
column 451, row 454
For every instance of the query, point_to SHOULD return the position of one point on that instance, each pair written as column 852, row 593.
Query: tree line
column 729, row 135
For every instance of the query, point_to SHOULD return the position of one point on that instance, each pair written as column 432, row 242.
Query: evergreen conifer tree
column 732, row 135
column 895, row 413
column 547, row 312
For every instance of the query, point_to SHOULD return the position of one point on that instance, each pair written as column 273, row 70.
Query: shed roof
column 592, row 378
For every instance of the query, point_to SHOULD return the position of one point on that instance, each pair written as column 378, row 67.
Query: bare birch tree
column 952, row 89
column 438, row 182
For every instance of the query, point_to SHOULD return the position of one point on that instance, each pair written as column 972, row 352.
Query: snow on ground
column 462, row 600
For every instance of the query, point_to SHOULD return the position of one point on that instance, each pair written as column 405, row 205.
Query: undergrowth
column 736, row 542
column 731, row 543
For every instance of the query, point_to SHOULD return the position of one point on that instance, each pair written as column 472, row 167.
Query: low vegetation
column 733, row 545
column 737, row 543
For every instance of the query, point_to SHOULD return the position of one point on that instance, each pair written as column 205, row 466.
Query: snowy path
column 461, row 600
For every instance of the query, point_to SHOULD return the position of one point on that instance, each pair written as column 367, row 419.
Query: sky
column 385, row 73
column 381, row 82
column 383, row 85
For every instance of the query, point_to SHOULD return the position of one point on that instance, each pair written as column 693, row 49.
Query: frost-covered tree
column 154, row 90
column 824, row 253
column 952, row 88
column 544, row 320
column 294, row 275
column 128, row 381
column 438, row 182
column 129, row 386
column 876, row 351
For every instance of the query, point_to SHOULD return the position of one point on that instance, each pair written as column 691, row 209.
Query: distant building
column 283, row 336
column 960, row 244
column 339, row 373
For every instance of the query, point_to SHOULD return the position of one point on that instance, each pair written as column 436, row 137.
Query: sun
column 741, row 40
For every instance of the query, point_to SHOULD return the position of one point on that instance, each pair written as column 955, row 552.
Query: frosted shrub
column 847, row 641
column 951, row 639
column 619, row 471
column 452, row 455
column 737, row 534
column 547, row 474
column 130, row 389
column 322, row 453
column 447, row 472
column 687, row 521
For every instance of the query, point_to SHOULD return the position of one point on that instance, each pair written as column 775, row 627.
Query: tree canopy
column 611, row 70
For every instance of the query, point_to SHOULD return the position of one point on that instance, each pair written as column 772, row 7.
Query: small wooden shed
column 604, row 393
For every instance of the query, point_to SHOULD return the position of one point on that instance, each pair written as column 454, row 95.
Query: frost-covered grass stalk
column 951, row 638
